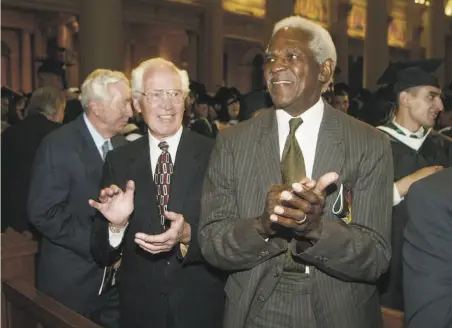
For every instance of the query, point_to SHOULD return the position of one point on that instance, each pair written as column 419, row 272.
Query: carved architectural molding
column 243, row 27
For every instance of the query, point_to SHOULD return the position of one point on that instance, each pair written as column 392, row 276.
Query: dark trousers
column 108, row 315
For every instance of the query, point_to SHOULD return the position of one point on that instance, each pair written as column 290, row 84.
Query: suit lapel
column 329, row 154
column 268, row 162
column 186, row 168
column 90, row 154
column 145, row 192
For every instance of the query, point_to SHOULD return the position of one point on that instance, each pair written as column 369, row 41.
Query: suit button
column 163, row 295
column 261, row 298
column 276, row 273
column 167, row 262
column 263, row 254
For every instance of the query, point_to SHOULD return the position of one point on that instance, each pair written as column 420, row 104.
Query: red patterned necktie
column 162, row 179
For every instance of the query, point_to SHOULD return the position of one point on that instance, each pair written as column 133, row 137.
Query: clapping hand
column 115, row 204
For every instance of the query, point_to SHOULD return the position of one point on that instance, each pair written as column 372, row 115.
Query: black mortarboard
column 197, row 87
column 404, row 75
column 204, row 99
column 9, row 93
column 53, row 66
column 340, row 88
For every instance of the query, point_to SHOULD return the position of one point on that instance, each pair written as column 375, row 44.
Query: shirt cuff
column 116, row 238
column 183, row 249
column 396, row 199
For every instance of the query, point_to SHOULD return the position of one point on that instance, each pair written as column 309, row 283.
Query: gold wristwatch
column 115, row 229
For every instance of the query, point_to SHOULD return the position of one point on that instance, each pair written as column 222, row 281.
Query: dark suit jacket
column 19, row 145
column 427, row 253
column 66, row 173
column 148, row 283
column 348, row 258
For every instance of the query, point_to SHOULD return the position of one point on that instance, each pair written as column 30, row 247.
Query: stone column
column 39, row 52
column 192, row 55
column 211, row 47
column 338, row 12
column 436, row 37
column 101, row 36
column 26, row 62
column 376, row 52
column 274, row 12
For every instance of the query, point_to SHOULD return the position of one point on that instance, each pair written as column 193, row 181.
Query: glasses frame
column 163, row 94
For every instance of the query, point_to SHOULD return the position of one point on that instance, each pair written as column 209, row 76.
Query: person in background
column 202, row 124
column 340, row 99
column 66, row 173
column 230, row 101
column 20, row 143
column 418, row 151
column 427, row 253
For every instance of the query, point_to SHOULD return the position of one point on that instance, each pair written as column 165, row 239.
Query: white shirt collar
column 419, row 133
column 172, row 141
column 97, row 137
column 155, row 151
column 312, row 117
column 306, row 135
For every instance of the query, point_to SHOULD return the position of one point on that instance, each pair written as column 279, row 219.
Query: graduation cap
column 53, row 66
column 341, row 88
column 204, row 99
column 405, row 75
column 9, row 93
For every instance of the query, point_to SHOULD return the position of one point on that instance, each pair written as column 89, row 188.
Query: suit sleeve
column 101, row 249
column 427, row 254
column 359, row 251
column 48, row 200
column 227, row 241
column 194, row 254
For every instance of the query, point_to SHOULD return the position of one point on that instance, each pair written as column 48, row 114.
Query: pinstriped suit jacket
column 347, row 260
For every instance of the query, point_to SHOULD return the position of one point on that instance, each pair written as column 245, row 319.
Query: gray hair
column 96, row 84
column 322, row 44
column 138, row 74
column 46, row 101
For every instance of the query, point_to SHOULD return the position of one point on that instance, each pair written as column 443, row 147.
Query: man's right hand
column 116, row 205
column 264, row 226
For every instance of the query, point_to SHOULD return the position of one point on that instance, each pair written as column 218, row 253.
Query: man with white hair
column 297, row 201
column 149, row 212
column 66, row 173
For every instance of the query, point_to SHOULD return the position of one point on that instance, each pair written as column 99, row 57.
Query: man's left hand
column 302, row 209
column 178, row 232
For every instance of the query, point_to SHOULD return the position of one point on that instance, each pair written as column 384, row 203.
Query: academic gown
column 435, row 149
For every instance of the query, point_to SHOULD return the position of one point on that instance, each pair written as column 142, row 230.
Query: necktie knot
column 105, row 148
column 294, row 124
column 163, row 146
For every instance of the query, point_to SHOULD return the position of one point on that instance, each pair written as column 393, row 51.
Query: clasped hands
column 298, row 207
column 117, row 205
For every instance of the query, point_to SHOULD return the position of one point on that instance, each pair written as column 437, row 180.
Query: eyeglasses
column 158, row 96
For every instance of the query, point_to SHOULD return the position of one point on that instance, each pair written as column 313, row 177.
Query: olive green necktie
column 293, row 170
column 292, row 163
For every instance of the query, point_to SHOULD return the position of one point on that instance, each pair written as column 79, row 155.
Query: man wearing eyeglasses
column 149, row 209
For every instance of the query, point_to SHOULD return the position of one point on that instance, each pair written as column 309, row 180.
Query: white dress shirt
column 98, row 139
column 155, row 151
column 306, row 134
column 396, row 198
